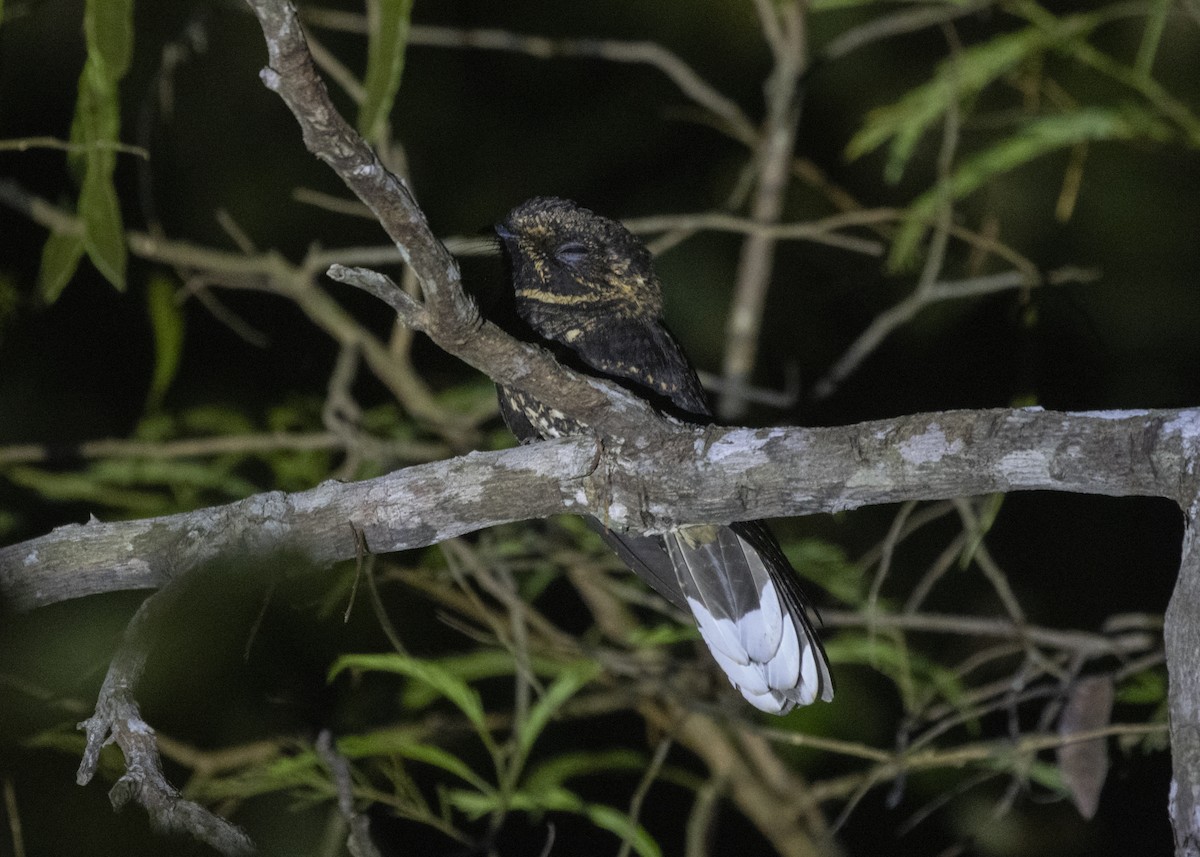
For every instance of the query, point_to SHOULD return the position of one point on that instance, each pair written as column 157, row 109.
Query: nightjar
column 586, row 289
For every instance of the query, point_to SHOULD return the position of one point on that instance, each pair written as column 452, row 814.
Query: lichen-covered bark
column 709, row 475
column 1182, row 637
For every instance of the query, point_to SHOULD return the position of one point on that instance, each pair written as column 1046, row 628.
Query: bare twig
column 269, row 271
column 541, row 47
column 942, row 563
column 895, row 24
column 888, row 321
column 448, row 316
column 244, row 444
column 823, row 231
column 643, row 788
column 24, row 144
column 757, row 799
column 359, row 844
column 1094, row 645
column 13, row 812
column 966, row 754
column 118, row 720
column 784, row 29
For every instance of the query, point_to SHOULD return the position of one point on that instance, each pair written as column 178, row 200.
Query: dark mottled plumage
column 587, row 287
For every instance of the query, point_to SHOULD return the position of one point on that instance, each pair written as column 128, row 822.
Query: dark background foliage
column 481, row 131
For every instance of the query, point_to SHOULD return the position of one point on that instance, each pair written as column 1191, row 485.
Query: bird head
column 572, row 265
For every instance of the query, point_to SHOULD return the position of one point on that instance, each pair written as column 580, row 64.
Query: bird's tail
column 751, row 613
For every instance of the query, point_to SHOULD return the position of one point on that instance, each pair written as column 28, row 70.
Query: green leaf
column 554, row 772
column 900, row 664
column 108, row 30
column 828, row 566
column 216, row 419
column 166, row 323
column 86, row 487
column 291, row 773
column 1048, row 776
column 402, row 743
column 60, row 259
column 563, row 688
column 1032, row 140
column 387, row 28
column 103, row 230
column 108, row 33
column 662, row 635
column 144, row 486
column 485, row 663
column 625, row 827
column 474, row 804
column 561, row 800
column 1148, row 687
column 954, row 80
column 176, row 474
column 1156, row 22
column 437, row 677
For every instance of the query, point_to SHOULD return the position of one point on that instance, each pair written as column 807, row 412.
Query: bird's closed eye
column 571, row 253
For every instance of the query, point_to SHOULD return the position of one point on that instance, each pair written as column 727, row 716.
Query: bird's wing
column 641, row 355
column 647, row 557
column 751, row 613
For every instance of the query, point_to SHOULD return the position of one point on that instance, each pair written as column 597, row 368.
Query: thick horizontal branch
column 413, row 507
column 691, row 475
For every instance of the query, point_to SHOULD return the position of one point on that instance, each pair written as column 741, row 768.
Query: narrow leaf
column 561, row 800
column 86, row 488
column 166, row 323
column 1032, row 140
column 958, row 78
column 108, row 33
column 472, row 666
column 60, row 259
column 398, row 743
column 555, row 771
column 1156, row 21
column 827, row 564
column 559, row 692
column 625, row 827
column 388, row 22
column 104, row 232
column 896, row 661
column 108, row 30
column 443, row 681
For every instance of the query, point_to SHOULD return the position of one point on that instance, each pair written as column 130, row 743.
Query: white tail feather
column 760, row 639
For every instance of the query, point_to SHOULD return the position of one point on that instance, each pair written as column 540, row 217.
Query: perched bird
column 586, row 289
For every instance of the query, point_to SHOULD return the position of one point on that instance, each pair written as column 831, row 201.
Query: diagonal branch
column 449, row 316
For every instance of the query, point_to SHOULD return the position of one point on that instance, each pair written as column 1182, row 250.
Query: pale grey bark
column 680, row 475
